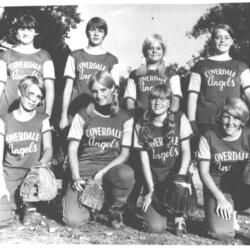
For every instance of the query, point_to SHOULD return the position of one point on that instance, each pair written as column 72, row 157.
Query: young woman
column 141, row 81
column 24, row 60
column 149, row 74
column 223, row 157
column 215, row 78
column 165, row 155
column 99, row 145
column 25, row 139
column 82, row 64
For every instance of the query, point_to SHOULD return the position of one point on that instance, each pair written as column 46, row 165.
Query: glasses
column 33, row 97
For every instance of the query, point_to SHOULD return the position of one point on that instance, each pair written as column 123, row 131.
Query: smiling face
column 101, row 94
column 159, row 105
column 155, row 52
column 230, row 124
column 31, row 98
column 222, row 41
column 26, row 35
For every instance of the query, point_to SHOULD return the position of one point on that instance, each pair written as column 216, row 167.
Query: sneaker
column 115, row 217
column 31, row 217
column 180, row 226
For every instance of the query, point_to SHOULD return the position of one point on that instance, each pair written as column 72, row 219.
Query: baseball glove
column 181, row 196
column 92, row 195
column 39, row 184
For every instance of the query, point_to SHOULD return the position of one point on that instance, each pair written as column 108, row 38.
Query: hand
column 147, row 201
column 64, row 122
column 4, row 192
column 224, row 209
column 78, row 185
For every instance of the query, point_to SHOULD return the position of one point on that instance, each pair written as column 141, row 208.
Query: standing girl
column 24, row 60
column 223, row 157
column 99, row 145
column 84, row 63
column 215, row 78
column 165, row 155
column 25, row 139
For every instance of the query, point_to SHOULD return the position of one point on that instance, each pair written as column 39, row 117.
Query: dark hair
column 236, row 107
column 168, row 128
column 26, row 21
column 104, row 78
column 27, row 81
column 222, row 26
column 97, row 22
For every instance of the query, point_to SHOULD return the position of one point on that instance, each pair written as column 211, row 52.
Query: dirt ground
column 52, row 232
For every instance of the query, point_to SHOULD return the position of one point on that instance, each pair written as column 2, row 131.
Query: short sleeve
column 175, row 85
column 2, row 127
column 127, row 133
column 194, row 82
column 48, row 70
column 204, row 152
column 69, row 70
column 76, row 128
column 46, row 125
column 185, row 128
column 137, row 144
column 130, row 91
column 245, row 79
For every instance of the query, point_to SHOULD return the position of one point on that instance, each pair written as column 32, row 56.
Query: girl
column 25, row 139
column 215, row 78
column 149, row 74
column 99, row 144
column 23, row 60
column 223, row 157
column 82, row 64
column 140, row 83
column 165, row 153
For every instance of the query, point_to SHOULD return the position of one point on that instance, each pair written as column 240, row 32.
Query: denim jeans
column 118, row 183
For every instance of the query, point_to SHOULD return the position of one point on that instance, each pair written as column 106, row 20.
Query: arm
column 149, row 179
column 74, row 165
column 121, row 158
column 47, row 153
column 3, row 189
column 1, row 88
column 130, row 94
column 223, row 207
column 130, row 104
column 245, row 84
column 66, row 101
column 185, row 157
column 175, row 85
column 115, row 72
column 50, row 95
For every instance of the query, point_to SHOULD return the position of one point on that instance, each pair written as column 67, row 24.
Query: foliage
column 237, row 15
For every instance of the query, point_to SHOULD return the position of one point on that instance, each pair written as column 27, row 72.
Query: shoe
column 115, row 217
column 131, row 218
column 31, row 217
column 180, row 226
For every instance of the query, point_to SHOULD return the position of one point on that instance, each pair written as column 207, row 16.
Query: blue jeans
column 118, row 183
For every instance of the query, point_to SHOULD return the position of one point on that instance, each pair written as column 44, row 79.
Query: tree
column 237, row 15
column 55, row 23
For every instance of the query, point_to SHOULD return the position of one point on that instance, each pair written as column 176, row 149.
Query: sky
column 130, row 24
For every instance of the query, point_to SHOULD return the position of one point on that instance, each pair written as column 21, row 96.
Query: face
column 230, row 124
column 159, row 105
column 32, row 98
column 223, row 41
column 26, row 35
column 155, row 52
column 96, row 36
column 101, row 94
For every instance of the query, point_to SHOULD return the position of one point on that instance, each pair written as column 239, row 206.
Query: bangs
column 98, row 25
column 26, row 22
column 160, row 91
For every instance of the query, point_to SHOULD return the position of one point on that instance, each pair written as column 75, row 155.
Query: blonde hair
column 236, row 107
column 105, row 79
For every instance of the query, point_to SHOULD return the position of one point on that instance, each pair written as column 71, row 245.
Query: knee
column 154, row 227
column 126, row 174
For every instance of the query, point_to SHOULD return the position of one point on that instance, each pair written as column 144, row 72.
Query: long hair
column 104, row 78
column 147, row 43
column 168, row 128
column 236, row 107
